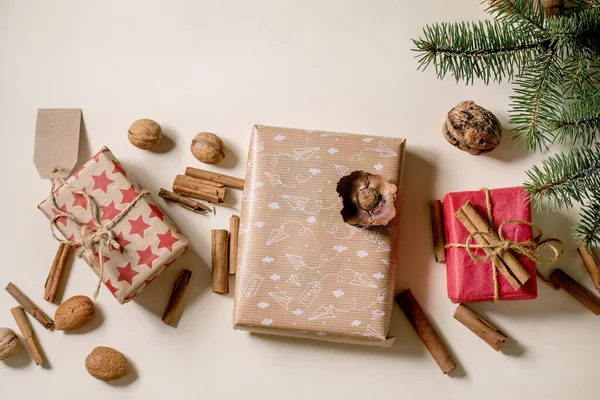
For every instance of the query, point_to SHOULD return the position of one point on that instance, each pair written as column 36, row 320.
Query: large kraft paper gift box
column 149, row 241
column 301, row 270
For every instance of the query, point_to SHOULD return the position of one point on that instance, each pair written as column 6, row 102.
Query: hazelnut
column 145, row 134
column 208, row 148
column 9, row 343
column 472, row 128
column 368, row 199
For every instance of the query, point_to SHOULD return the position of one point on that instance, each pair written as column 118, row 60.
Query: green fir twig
column 554, row 65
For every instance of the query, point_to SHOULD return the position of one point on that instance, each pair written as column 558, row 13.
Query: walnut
column 208, row 148
column 552, row 7
column 9, row 343
column 145, row 134
column 472, row 128
column 368, row 199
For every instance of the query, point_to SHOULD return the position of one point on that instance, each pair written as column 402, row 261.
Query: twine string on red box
column 93, row 239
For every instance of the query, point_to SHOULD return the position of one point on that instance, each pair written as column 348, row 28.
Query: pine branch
column 580, row 31
column 581, row 75
column 583, row 5
column 536, row 100
column 484, row 50
column 530, row 12
column 580, row 122
column 588, row 228
column 565, row 178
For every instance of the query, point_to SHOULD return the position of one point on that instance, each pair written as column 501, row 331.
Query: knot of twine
column 530, row 249
column 94, row 239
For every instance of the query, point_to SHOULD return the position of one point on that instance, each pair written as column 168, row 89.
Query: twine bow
column 530, row 249
column 94, row 238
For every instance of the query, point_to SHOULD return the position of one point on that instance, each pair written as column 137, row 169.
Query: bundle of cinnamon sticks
column 210, row 187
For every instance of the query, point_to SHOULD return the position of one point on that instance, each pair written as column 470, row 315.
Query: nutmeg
column 9, row 343
column 107, row 364
column 208, row 148
column 368, row 199
column 74, row 313
column 145, row 134
column 472, row 128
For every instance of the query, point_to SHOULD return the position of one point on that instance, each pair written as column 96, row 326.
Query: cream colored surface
column 223, row 66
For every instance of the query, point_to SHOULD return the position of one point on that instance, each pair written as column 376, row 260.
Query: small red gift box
column 470, row 280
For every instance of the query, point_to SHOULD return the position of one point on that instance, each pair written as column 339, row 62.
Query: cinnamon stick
column 437, row 229
column 27, row 332
column 591, row 264
column 234, row 230
column 226, row 180
column 506, row 262
column 29, row 306
column 184, row 202
column 220, row 249
column 575, row 290
column 177, row 296
column 198, row 185
column 480, row 326
column 56, row 271
column 419, row 321
column 198, row 181
column 225, row 205
column 197, row 194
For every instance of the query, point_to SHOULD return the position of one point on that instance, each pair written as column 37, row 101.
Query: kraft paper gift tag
column 56, row 141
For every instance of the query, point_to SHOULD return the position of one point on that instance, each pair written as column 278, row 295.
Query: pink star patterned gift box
column 301, row 270
column 149, row 241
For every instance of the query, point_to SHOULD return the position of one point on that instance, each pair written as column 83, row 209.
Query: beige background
column 222, row 66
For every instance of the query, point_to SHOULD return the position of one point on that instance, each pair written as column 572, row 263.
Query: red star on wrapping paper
column 149, row 281
column 118, row 169
column 138, row 226
column 167, row 240
column 128, row 194
column 79, row 200
column 127, row 274
column 156, row 212
column 167, row 265
column 146, row 257
column 98, row 154
column 72, row 239
column 97, row 259
column 109, row 212
column 101, row 182
column 76, row 173
column 110, row 287
column 61, row 220
column 129, row 298
column 90, row 223
column 122, row 242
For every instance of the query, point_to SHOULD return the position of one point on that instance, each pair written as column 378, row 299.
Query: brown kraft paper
column 301, row 270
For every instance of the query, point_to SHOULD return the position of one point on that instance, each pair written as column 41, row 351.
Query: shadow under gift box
column 150, row 242
column 301, row 270
column 469, row 280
